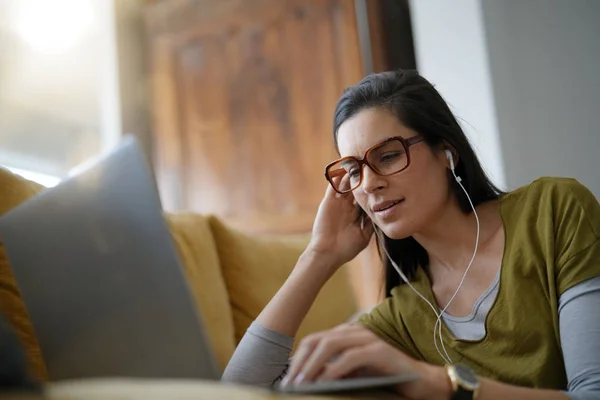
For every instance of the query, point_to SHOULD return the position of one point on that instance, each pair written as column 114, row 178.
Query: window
column 59, row 102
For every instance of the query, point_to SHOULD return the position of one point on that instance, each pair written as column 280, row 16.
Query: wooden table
column 155, row 389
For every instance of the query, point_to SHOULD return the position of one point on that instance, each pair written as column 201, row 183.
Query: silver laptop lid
column 100, row 277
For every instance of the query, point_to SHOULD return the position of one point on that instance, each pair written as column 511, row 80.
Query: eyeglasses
column 386, row 158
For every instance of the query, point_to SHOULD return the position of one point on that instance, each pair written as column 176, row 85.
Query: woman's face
column 421, row 190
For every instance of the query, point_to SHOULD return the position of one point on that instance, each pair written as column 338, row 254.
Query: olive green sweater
column 552, row 231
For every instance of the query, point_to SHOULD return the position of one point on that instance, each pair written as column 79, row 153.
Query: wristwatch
column 464, row 382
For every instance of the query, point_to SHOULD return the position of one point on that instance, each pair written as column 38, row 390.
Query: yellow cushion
column 13, row 191
column 198, row 254
column 255, row 268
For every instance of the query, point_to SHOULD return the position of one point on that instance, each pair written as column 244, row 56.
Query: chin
column 396, row 230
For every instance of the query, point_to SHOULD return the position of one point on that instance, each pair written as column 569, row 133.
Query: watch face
column 466, row 375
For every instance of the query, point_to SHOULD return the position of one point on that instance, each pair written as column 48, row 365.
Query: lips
column 379, row 207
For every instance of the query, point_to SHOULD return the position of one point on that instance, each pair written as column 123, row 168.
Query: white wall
column 451, row 52
column 545, row 57
column 524, row 75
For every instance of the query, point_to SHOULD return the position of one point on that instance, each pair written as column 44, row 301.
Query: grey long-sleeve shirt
column 262, row 357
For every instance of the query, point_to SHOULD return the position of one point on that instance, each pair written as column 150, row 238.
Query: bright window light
column 52, row 27
column 42, row 179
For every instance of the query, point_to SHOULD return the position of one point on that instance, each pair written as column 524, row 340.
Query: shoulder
column 560, row 219
column 562, row 188
column 556, row 187
column 562, row 199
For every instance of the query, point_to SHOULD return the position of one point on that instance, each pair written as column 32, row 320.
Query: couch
column 231, row 275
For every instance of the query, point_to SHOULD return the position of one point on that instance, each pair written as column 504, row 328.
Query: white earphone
column 450, row 158
column 437, row 329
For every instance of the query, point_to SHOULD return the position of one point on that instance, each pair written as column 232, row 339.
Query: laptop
column 100, row 277
column 101, row 280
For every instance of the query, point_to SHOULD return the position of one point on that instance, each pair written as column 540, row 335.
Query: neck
column 450, row 238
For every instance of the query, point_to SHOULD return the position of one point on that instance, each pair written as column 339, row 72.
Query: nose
column 371, row 181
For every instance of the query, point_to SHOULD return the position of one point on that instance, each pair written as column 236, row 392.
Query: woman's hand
column 350, row 350
column 341, row 230
column 337, row 238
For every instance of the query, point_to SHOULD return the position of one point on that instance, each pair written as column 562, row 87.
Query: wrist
column 317, row 269
column 436, row 382
column 319, row 260
column 443, row 387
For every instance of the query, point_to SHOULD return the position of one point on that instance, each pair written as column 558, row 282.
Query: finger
column 308, row 344
column 329, row 347
column 352, row 328
column 332, row 199
column 348, row 362
column 342, row 327
column 304, row 350
column 375, row 358
column 343, row 183
column 336, row 181
column 330, row 191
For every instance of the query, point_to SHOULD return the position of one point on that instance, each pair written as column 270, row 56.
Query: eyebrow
column 377, row 144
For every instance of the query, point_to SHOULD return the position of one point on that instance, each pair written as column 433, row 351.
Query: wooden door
column 243, row 98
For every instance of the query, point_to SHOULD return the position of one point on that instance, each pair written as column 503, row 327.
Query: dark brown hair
column 418, row 106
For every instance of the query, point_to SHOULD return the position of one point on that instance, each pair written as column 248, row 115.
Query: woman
column 504, row 288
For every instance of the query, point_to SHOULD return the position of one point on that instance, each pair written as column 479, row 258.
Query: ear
column 450, row 155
